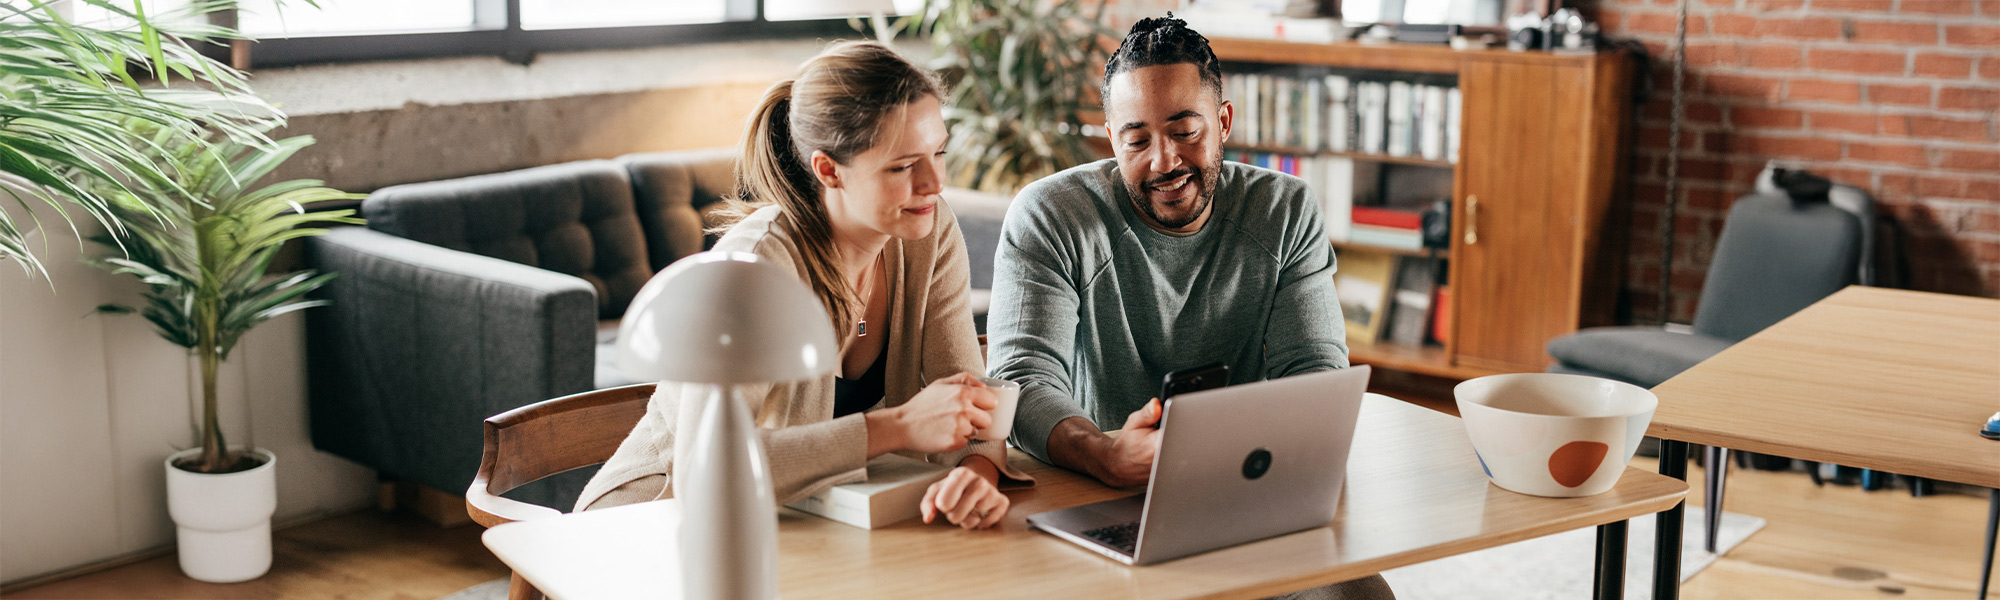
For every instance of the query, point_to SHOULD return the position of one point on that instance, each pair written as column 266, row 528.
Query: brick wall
column 1898, row 97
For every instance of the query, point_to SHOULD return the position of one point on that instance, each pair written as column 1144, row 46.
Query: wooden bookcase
column 1540, row 157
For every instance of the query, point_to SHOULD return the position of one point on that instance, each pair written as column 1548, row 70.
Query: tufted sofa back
column 674, row 192
column 573, row 218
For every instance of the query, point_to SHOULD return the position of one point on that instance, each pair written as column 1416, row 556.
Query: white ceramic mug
column 1008, row 394
column 1548, row 434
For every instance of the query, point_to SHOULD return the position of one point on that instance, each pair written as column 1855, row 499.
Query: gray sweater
column 1092, row 308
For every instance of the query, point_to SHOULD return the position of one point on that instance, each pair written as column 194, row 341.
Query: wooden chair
column 543, row 439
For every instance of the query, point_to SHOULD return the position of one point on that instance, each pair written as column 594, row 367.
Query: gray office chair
column 1778, row 253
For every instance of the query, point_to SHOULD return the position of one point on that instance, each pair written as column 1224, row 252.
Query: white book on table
column 893, row 493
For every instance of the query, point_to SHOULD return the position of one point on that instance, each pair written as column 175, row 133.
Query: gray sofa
column 465, row 298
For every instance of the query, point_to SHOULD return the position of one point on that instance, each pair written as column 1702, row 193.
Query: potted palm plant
column 203, row 247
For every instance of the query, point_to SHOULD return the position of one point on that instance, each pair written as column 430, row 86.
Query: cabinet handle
column 1471, row 220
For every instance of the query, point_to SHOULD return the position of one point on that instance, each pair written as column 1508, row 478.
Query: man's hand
column 1124, row 461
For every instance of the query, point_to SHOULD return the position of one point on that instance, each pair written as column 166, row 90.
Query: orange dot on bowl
column 1573, row 463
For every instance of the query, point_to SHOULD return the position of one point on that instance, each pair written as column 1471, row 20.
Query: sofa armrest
column 422, row 343
column 980, row 215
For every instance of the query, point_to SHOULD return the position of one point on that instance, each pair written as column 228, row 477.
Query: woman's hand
column 966, row 498
column 941, row 418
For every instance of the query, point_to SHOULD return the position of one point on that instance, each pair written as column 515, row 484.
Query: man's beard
column 1208, row 178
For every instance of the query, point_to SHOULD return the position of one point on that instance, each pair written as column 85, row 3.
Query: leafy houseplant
column 1020, row 75
column 202, row 247
column 67, row 93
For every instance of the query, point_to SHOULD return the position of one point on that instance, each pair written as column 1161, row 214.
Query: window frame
column 499, row 33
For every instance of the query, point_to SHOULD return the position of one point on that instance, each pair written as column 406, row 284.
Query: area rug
column 1556, row 566
column 1559, row 566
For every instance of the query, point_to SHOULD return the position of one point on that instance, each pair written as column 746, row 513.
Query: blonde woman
column 839, row 181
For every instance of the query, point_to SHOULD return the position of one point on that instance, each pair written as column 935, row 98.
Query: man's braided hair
column 1165, row 40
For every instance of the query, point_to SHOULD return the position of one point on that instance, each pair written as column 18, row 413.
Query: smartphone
column 1205, row 377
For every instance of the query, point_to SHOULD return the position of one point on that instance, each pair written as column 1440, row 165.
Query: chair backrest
column 1775, row 257
column 675, row 191
column 573, row 218
column 546, row 438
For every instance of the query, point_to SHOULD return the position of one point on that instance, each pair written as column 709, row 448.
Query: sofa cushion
column 573, row 218
column 674, row 192
column 1643, row 356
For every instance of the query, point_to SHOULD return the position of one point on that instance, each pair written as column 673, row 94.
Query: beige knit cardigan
column 930, row 336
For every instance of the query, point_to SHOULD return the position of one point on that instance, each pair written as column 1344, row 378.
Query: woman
column 839, row 179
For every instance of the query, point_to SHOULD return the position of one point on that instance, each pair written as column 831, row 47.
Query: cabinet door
column 1516, row 244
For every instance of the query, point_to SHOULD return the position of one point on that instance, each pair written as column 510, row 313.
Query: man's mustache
column 1169, row 177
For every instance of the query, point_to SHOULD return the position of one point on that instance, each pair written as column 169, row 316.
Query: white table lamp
column 726, row 319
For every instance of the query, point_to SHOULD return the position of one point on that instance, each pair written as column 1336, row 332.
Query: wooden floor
column 366, row 555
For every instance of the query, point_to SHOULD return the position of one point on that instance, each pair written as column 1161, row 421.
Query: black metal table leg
column 1667, row 538
column 1610, row 580
column 1992, row 526
column 1717, row 473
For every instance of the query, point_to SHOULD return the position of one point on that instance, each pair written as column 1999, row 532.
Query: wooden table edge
column 1373, row 566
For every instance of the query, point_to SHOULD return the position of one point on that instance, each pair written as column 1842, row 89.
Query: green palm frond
column 67, row 95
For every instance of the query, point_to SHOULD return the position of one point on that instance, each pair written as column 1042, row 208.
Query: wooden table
column 1875, row 378
column 1415, row 493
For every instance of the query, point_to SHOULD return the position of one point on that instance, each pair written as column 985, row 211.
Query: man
column 1112, row 274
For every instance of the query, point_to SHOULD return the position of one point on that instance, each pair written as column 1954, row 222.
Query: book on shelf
column 1431, row 139
column 1338, row 114
column 1362, row 284
column 1374, row 101
column 1399, row 108
column 1441, row 314
column 893, row 493
column 1410, row 305
column 1453, row 115
column 1383, row 216
column 1387, row 237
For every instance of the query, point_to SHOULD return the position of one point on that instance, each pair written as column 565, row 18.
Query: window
column 265, row 19
column 571, row 14
column 351, row 30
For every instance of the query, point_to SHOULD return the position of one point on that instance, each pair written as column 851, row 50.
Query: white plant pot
column 223, row 521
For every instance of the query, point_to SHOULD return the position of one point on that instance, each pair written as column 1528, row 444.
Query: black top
column 856, row 395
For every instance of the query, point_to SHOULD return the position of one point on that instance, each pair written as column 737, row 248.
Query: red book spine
column 1441, row 314
column 1387, row 217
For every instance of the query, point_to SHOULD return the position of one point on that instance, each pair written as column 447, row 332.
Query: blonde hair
column 836, row 105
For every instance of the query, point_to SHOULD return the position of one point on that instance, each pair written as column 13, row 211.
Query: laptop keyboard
column 1123, row 537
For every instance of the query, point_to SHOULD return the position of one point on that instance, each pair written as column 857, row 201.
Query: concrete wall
column 90, row 406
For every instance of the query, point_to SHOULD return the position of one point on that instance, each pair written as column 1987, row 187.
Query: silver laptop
column 1236, row 464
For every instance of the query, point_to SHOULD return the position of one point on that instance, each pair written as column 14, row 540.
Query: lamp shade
column 725, row 317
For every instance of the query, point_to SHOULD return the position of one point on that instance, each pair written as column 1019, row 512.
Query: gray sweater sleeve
column 1306, row 332
column 1032, row 326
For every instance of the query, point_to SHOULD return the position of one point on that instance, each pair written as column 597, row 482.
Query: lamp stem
column 729, row 525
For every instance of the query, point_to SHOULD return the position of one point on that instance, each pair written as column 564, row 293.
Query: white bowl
column 1548, row 434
